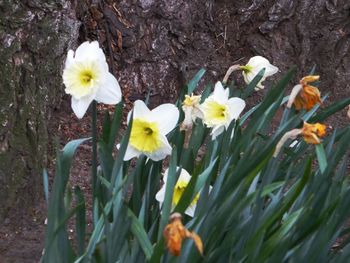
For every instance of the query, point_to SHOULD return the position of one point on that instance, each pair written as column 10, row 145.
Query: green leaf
column 251, row 86
column 46, row 185
column 194, row 186
column 325, row 113
column 192, row 84
column 321, row 157
column 80, row 220
column 173, row 174
column 141, row 235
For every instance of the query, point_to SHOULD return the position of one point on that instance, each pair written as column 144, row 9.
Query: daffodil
column 87, row 78
column 179, row 189
column 253, row 67
column 313, row 133
column 149, row 130
column 308, row 96
column 219, row 110
column 175, row 232
column 192, row 110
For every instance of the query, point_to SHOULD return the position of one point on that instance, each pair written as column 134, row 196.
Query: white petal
column 270, row 70
column 197, row 113
column 217, row 130
column 161, row 195
column 190, row 210
column 70, row 58
column 184, row 176
column 109, row 92
column 130, row 153
column 140, row 110
column 236, row 106
column 161, row 153
column 258, row 62
column 165, row 176
column 166, row 116
column 89, row 51
column 220, row 94
column 80, row 106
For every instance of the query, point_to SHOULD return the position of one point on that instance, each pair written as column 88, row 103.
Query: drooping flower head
column 87, row 78
column 149, row 130
column 254, row 66
column 192, row 110
column 219, row 110
column 308, row 95
column 313, row 132
column 175, row 232
column 179, row 189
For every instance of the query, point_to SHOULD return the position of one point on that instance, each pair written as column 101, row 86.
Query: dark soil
column 157, row 46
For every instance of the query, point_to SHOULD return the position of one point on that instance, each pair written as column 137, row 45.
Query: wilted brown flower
column 175, row 232
column 308, row 95
column 313, row 132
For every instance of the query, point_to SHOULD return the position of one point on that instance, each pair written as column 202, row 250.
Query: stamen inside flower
column 145, row 136
column 86, row 77
column 81, row 78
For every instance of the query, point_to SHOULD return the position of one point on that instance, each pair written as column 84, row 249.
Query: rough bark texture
column 34, row 36
column 159, row 44
column 152, row 45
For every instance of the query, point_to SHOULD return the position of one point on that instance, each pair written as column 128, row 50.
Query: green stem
column 94, row 151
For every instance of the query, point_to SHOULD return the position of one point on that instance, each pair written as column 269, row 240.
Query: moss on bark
column 35, row 36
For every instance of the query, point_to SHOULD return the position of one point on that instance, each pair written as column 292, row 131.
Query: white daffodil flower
column 148, row 131
column 87, row 78
column 192, row 110
column 179, row 189
column 219, row 110
column 254, row 65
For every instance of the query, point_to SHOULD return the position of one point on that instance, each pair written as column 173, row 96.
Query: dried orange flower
column 175, row 232
column 308, row 95
column 313, row 132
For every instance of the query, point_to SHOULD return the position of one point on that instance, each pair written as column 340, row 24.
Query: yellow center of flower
column 246, row 69
column 145, row 136
column 215, row 113
column 179, row 189
column 86, row 77
column 191, row 100
column 81, row 78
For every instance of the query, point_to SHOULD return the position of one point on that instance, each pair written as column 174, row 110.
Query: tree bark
column 34, row 36
column 159, row 45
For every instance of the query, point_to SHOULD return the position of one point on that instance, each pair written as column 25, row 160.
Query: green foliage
column 292, row 208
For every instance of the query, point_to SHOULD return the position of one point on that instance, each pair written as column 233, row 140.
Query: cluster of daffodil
column 304, row 97
column 86, row 77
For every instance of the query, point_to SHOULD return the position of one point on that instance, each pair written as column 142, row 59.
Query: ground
column 157, row 46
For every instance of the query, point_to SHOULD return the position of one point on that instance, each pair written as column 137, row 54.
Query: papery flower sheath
column 86, row 78
column 179, row 189
column 219, row 110
column 253, row 67
column 149, row 130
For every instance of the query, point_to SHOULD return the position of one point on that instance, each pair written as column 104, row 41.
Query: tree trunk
column 158, row 45
column 34, row 36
